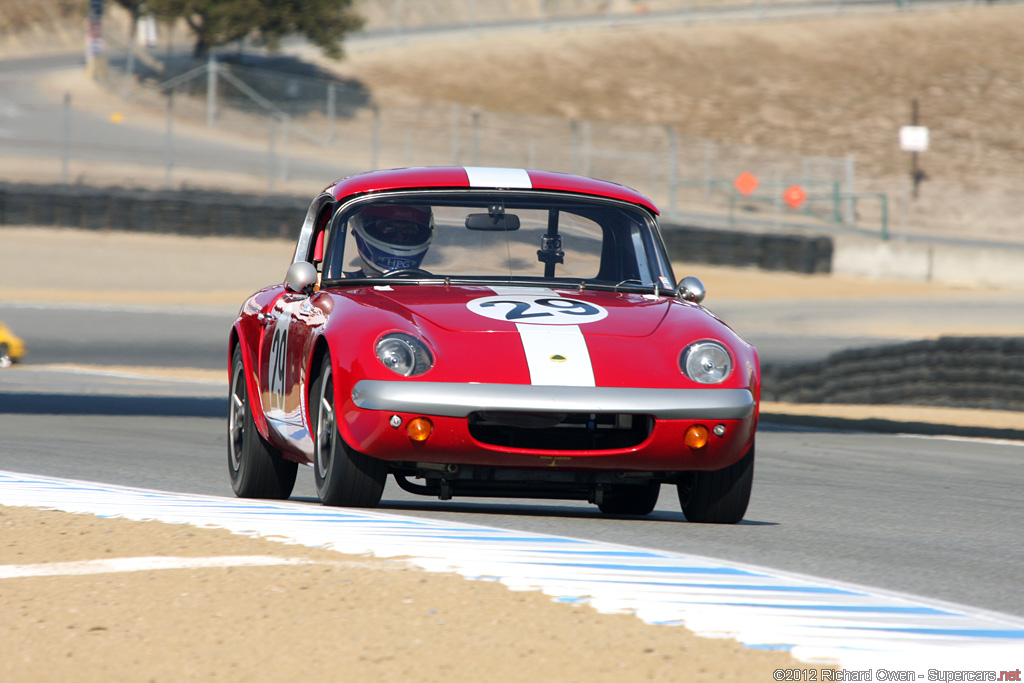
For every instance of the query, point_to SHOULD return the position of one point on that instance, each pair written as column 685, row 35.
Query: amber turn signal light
column 420, row 428
column 696, row 436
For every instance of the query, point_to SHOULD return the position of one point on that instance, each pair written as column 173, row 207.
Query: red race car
column 490, row 332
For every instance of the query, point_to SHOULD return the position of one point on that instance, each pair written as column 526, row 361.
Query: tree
column 218, row 22
column 135, row 10
column 323, row 22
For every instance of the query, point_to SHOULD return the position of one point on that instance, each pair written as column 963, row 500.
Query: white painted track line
column 815, row 619
column 122, row 565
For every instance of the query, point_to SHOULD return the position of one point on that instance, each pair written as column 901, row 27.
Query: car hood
column 534, row 335
column 490, row 309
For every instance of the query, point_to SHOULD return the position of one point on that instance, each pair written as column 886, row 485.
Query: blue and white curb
column 815, row 619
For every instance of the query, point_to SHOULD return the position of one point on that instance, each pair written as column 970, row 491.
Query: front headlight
column 404, row 354
column 706, row 362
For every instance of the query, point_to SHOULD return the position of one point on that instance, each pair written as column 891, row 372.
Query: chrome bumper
column 459, row 400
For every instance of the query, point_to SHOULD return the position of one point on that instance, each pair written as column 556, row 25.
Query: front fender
column 248, row 341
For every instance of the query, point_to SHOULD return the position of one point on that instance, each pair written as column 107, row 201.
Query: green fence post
column 836, row 217
column 885, row 215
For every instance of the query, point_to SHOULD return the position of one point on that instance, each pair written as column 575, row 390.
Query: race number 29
column 538, row 310
column 278, row 364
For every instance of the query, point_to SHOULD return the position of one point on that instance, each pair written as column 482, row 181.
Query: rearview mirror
column 497, row 222
column 301, row 276
column 691, row 289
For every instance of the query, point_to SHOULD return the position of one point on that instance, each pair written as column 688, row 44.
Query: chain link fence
column 401, row 16
column 292, row 122
column 296, row 117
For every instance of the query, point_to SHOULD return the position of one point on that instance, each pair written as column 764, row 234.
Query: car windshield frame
column 636, row 224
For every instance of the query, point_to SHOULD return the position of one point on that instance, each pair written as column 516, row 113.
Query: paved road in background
column 112, row 336
column 32, row 124
column 784, row 331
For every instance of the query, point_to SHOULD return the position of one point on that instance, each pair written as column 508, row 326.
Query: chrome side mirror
column 300, row 277
column 691, row 289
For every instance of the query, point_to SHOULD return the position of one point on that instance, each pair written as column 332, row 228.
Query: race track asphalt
column 929, row 516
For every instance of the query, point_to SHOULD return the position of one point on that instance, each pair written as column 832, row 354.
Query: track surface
column 933, row 517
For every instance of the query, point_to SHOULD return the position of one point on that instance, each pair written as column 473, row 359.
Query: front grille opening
column 560, row 431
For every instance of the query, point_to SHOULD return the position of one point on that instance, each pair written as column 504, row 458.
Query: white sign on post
column 914, row 138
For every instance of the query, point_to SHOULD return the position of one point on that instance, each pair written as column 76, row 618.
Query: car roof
column 474, row 177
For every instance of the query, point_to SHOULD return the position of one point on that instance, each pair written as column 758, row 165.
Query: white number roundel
column 537, row 310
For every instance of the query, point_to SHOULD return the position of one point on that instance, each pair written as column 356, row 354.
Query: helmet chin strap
column 370, row 269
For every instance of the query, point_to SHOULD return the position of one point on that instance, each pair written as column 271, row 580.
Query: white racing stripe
column 547, row 345
column 480, row 176
column 542, row 343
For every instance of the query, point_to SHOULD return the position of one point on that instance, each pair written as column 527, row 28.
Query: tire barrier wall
column 183, row 212
column 795, row 253
column 196, row 212
column 961, row 372
column 967, row 372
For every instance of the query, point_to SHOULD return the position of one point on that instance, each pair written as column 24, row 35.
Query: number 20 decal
column 537, row 310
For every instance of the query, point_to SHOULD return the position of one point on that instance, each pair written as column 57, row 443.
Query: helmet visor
column 401, row 233
column 403, row 226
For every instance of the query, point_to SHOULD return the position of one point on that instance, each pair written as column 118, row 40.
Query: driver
column 392, row 237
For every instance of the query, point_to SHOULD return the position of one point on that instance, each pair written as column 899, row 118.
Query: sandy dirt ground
column 339, row 617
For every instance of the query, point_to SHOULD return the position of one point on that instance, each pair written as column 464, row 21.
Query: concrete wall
column 929, row 262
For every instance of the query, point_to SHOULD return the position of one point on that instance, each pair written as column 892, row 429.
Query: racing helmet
column 392, row 236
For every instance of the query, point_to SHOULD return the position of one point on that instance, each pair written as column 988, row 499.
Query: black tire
column 630, row 500
column 257, row 469
column 344, row 476
column 718, row 497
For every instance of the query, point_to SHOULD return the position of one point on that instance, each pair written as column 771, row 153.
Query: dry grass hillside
column 835, row 86
column 34, row 26
column 816, row 87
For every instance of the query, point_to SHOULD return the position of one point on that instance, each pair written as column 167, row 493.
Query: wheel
column 718, row 497
column 631, row 500
column 408, row 272
column 257, row 469
column 344, row 476
column 5, row 356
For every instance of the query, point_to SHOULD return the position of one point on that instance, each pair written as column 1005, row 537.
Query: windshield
column 509, row 237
